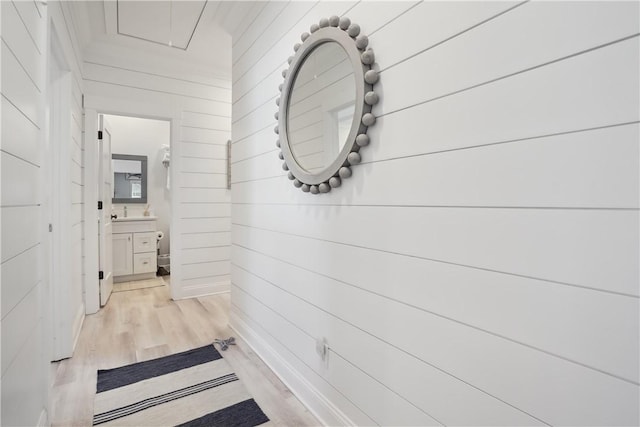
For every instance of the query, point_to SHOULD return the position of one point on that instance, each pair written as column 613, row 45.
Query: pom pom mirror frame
column 347, row 35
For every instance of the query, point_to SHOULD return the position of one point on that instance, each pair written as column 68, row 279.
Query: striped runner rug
column 192, row 388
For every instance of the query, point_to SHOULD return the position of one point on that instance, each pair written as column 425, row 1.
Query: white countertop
column 135, row 218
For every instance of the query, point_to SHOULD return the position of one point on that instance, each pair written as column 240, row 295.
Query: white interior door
column 105, row 193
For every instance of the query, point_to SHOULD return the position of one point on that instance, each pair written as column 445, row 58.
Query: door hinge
column 99, row 134
column 100, row 275
column 83, row 100
column 100, row 205
column 50, row 228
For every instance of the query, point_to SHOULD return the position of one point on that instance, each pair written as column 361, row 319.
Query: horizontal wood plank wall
column 481, row 265
column 204, row 215
column 25, row 296
column 62, row 15
column 23, row 291
column 205, row 204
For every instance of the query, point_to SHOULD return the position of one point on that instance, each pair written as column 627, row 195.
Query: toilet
column 164, row 261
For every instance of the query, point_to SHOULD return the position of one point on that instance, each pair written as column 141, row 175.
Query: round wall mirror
column 325, row 107
column 321, row 107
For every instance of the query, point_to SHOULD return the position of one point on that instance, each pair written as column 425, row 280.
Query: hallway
column 455, row 244
column 144, row 324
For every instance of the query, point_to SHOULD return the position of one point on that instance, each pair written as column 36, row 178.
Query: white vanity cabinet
column 122, row 254
column 144, row 253
column 134, row 249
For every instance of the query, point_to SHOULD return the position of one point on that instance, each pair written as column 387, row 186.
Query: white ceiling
column 199, row 30
column 171, row 23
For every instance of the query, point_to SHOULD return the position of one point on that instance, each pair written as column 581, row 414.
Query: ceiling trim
column 110, row 17
column 154, row 41
column 197, row 23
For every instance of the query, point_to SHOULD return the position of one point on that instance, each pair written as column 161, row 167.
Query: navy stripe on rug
column 164, row 398
column 243, row 414
column 108, row 379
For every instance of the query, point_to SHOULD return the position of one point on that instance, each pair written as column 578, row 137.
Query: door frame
column 105, row 222
column 93, row 107
column 63, row 320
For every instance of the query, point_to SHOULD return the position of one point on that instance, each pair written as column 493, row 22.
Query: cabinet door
column 122, row 254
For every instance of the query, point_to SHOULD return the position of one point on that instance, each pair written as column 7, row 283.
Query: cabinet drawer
column 144, row 263
column 124, row 226
column 144, row 242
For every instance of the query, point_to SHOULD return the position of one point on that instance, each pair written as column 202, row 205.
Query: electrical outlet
column 322, row 348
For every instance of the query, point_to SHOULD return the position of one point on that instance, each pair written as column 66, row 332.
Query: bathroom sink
column 135, row 218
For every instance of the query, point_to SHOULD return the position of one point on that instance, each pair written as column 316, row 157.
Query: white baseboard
column 194, row 291
column 327, row 413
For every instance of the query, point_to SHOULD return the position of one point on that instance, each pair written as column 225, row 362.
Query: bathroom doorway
column 141, row 201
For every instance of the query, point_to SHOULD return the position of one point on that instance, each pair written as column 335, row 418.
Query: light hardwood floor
column 143, row 324
column 140, row 284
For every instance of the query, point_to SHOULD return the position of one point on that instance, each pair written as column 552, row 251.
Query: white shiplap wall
column 25, row 295
column 481, row 265
column 65, row 27
column 201, row 108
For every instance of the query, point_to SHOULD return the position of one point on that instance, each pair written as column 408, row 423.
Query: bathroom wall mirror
column 129, row 178
column 325, row 106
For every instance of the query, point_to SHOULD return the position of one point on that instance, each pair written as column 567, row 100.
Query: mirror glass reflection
column 321, row 107
column 129, row 178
